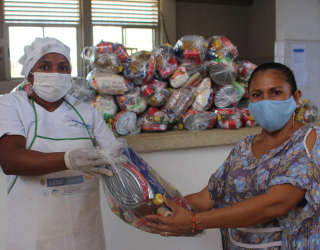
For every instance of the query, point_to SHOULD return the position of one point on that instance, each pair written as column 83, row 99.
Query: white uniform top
column 17, row 118
column 60, row 210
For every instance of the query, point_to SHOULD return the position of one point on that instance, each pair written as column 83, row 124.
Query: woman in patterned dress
column 266, row 195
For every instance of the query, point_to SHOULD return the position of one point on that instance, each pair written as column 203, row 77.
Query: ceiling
column 226, row 2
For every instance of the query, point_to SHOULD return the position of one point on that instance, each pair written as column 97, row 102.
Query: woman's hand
column 178, row 224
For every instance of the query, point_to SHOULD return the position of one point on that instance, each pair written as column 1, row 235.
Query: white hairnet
column 38, row 48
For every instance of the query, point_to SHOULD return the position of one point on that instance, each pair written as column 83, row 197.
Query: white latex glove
column 87, row 160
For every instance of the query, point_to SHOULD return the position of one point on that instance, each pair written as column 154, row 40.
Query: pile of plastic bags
column 196, row 84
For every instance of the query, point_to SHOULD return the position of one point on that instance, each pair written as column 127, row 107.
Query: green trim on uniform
column 12, row 185
column 35, row 124
column 84, row 123
column 64, row 139
column 54, row 139
column 33, row 139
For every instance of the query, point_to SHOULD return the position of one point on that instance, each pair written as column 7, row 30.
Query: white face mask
column 51, row 86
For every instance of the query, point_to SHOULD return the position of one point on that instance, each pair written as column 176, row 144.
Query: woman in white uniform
column 48, row 152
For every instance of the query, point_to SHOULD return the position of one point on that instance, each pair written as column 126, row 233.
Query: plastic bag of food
column 306, row 112
column 166, row 61
column 108, row 83
column 204, row 96
column 229, row 118
column 81, row 90
column 105, row 105
column 105, row 56
column 199, row 120
column 191, row 49
column 132, row 101
column 220, row 47
column 179, row 77
column 244, row 69
column 156, row 93
column 126, row 123
column 140, row 67
column 188, row 75
column 246, row 118
column 227, row 95
column 179, row 101
column 221, row 72
column 135, row 189
column 154, row 120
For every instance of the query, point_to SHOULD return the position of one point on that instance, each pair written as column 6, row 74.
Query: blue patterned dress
column 243, row 176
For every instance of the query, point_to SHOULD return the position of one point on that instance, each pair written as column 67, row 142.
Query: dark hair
column 283, row 69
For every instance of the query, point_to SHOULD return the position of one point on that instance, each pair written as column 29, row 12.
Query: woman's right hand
column 87, row 160
column 178, row 224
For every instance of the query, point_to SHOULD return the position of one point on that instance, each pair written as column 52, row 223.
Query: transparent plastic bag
column 105, row 56
column 106, row 106
column 227, row 95
column 156, row 93
column 132, row 101
column 166, row 61
column 221, row 72
column 195, row 120
column 135, row 189
column 229, row 118
column 246, row 118
column 244, row 69
column 179, row 77
column 140, row 67
column 204, row 96
column 220, row 47
column 126, row 123
column 191, row 49
column 81, row 90
column 108, row 83
column 306, row 112
column 188, row 75
column 154, row 120
column 179, row 101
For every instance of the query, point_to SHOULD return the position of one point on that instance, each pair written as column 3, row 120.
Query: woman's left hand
column 178, row 224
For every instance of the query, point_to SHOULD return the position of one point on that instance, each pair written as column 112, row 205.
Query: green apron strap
column 84, row 123
column 36, row 134
column 33, row 139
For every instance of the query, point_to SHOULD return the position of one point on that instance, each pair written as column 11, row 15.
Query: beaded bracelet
column 194, row 225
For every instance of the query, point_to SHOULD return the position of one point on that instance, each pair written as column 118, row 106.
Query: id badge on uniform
column 68, row 185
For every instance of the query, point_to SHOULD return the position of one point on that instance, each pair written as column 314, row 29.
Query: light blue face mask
column 272, row 115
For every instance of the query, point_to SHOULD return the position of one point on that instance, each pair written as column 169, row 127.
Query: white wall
column 298, row 20
column 189, row 171
column 298, row 23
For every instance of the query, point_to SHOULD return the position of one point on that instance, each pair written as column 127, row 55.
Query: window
column 29, row 19
column 111, row 33
column 129, row 37
column 133, row 23
column 16, row 44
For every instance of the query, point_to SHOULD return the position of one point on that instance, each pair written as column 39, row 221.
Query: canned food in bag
column 125, row 123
